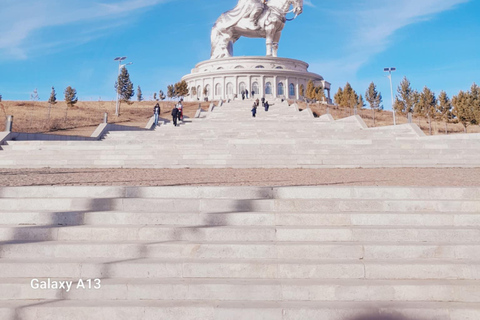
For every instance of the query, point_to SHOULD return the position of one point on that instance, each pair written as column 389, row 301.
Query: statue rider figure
column 257, row 7
column 252, row 10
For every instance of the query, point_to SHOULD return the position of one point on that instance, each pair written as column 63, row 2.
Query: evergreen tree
column 124, row 86
column 444, row 109
column 319, row 93
column 360, row 102
column 374, row 98
column 171, row 91
column 1, row 98
column 466, row 106
column 139, row 94
column 475, row 101
column 70, row 99
column 155, row 96
column 51, row 101
column 426, row 106
column 310, row 94
column 302, row 90
column 339, row 97
column 350, row 97
column 406, row 97
column 181, row 89
column 161, row 95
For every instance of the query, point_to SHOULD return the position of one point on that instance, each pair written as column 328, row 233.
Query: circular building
column 268, row 77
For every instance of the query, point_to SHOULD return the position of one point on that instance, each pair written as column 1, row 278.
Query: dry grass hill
column 83, row 118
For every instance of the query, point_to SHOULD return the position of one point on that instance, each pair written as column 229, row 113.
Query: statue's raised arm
column 252, row 19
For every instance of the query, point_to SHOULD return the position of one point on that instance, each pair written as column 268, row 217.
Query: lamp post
column 390, row 70
column 119, row 59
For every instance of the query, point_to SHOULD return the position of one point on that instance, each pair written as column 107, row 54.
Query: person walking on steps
column 246, row 93
column 243, row 94
column 175, row 115
column 156, row 113
column 180, row 110
column 266, row 106
column 254, row 109
column 263, row 101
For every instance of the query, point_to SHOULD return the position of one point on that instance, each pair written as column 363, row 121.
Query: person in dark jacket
column 266, row 105
column 175, row 114
column 156, row 113
column 263, row 101
column 246, row 93
column 254, row 109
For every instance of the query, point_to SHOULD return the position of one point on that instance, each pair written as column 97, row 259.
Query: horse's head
column 297, row 6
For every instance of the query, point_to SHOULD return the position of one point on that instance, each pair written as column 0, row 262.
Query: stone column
column 287, row 88
column 249, row 85
column 262, row 87
column 224, row 91
column 297, row 89
column 274, row 87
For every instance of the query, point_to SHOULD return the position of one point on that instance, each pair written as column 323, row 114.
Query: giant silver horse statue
column 252, row 19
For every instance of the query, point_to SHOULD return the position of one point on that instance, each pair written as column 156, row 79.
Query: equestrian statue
column 252, row 19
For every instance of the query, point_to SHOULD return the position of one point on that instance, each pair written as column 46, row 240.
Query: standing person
column 243, row 94
column 266, row 105
column 253, row 94
column 263, row 101
column 180, row 110
column 246, row 93
column 175, row 115
column 254, row 109
column 156, row 113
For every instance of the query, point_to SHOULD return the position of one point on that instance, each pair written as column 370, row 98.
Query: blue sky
column 73, row 42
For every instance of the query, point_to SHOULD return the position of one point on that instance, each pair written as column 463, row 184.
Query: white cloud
column 19, row 19
column 371, row 23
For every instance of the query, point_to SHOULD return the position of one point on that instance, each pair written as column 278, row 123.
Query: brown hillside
column 84, row 117
column 385, row 118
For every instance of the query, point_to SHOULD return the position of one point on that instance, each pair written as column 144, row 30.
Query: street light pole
column 390, row 70
column 117, row 106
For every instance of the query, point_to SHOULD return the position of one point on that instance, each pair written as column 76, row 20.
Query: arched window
column 220, row 68
column 292, row 89
column 280, row 90
column 279, row 67
column 218, row 89
column 239, row 67
column 259, row 67
column 268, row 88
column 229, row 88
column 241, row 87
column 255, row 88
column 199, row 92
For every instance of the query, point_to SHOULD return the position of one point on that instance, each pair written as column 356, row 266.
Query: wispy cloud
column 20, row 19
column 371, row 23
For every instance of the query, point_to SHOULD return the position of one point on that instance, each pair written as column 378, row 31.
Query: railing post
column 9, row 124
column 105, row 117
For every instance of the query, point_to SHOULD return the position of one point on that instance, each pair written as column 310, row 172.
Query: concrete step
column 146, row 268
column 304, row 251
column 231, row 233
column 238, row 310
column 180, row 289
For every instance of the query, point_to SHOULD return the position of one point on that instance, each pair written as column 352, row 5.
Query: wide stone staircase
column 230, row 137
column 242, row 253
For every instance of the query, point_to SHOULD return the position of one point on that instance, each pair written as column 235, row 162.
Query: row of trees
column 349, row 98
column 463, row 108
